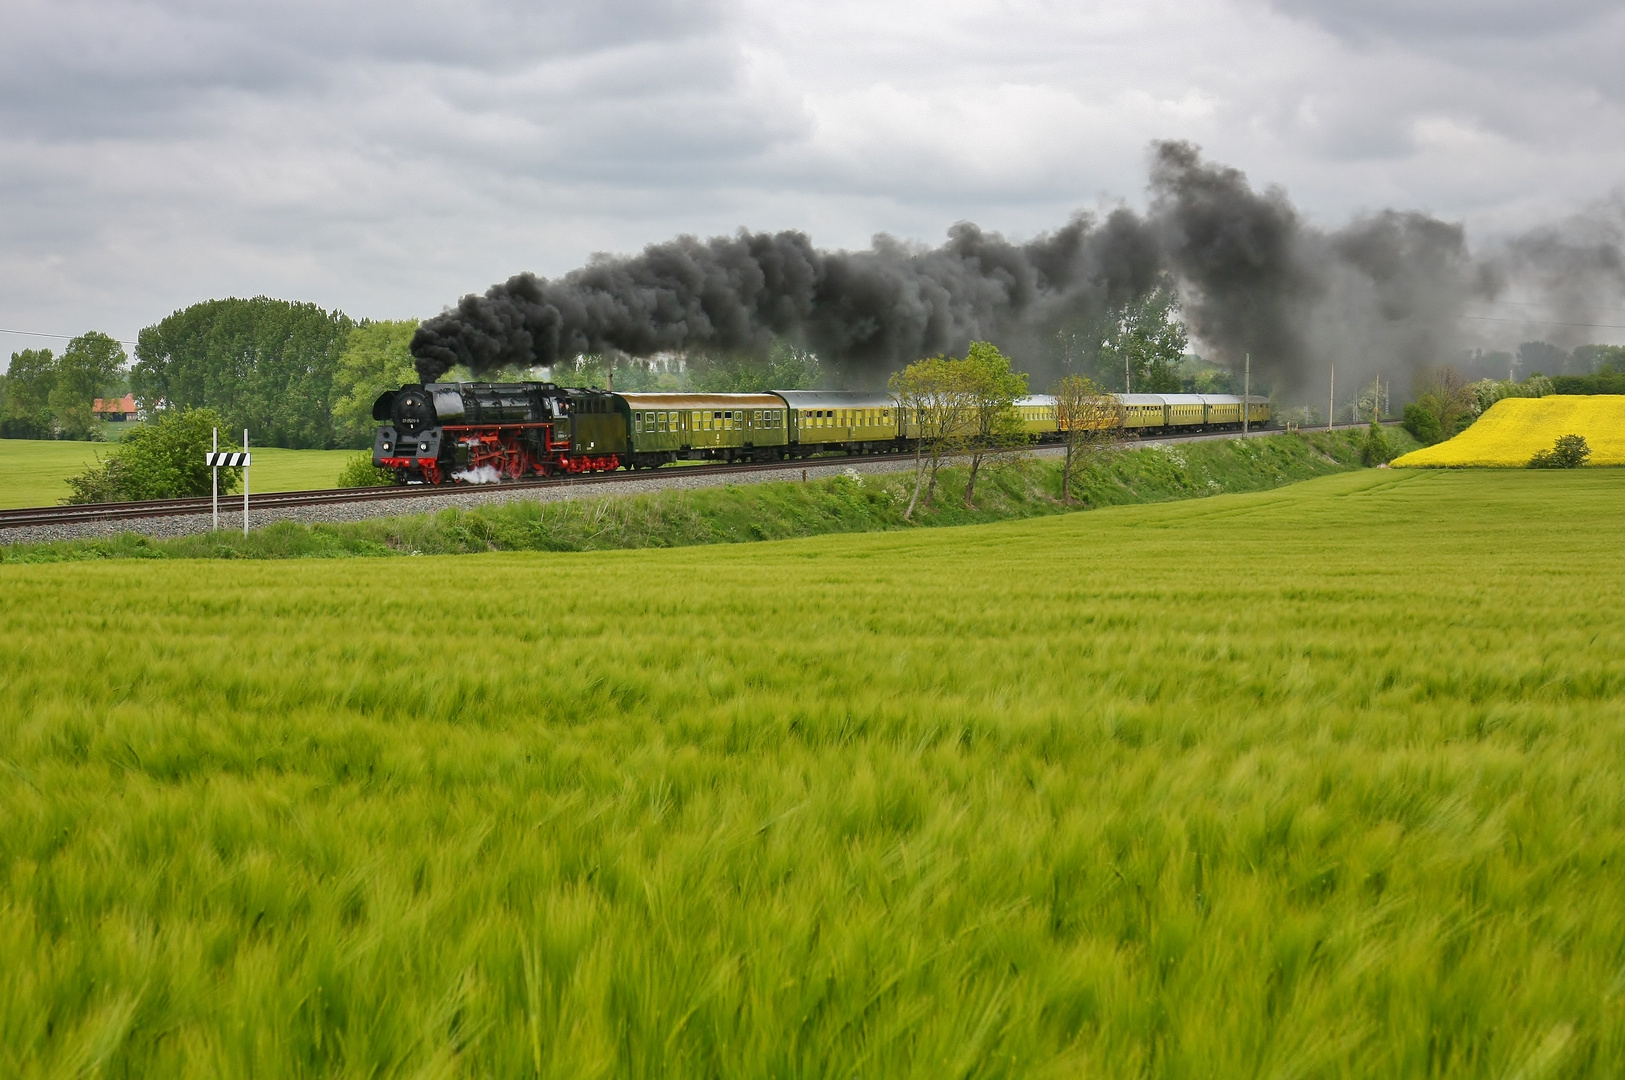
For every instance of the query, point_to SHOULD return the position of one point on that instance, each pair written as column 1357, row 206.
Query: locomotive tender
column 486, row 432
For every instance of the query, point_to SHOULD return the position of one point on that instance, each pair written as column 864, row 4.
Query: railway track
column 277, row 500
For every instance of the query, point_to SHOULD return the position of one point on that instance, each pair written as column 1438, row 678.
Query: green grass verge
column 34, row 473
column 772, row 511
column 1327, row 781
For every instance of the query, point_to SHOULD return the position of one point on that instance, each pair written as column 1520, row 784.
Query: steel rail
column 277, row 500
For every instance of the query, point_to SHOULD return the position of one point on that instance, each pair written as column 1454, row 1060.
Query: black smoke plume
column 1386, row 294
column 864, row 313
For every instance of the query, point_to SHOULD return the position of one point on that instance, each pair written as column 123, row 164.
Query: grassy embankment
column 35, row 473
column 1513, row 429
column 772, row 511
column 1323, row 781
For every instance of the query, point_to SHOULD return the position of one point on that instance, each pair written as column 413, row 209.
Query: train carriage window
column 637, row 421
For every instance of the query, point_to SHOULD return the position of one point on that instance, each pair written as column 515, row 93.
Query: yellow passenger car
column 828, row 420
column 1184, row 410
column 1142, row 412
column 1223, row 410
column 1037, row 416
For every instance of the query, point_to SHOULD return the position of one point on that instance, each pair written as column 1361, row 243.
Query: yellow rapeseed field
column 1513, row 429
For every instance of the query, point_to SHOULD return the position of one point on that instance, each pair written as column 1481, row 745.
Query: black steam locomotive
column 485, row 432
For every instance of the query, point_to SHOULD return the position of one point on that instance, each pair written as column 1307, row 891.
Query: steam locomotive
column 488, row 432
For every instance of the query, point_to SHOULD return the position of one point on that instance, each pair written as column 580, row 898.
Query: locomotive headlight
column 386, row 446
column 423, row 446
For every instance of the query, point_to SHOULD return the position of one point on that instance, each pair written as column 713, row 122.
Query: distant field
column 35, row 473
column 1326, row 781
column 1513, row 429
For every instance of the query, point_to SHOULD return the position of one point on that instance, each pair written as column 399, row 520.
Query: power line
column 64, row 337
column 1547, row 322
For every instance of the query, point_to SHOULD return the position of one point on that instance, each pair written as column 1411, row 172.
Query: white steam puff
column 485, row 474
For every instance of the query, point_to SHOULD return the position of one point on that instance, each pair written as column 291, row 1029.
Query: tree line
column 45, row 396
column 294, row 374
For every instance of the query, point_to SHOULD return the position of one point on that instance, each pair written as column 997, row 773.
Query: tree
column 26, row 413
column 377, row 356
column 938, row 408
column 1445, row 405
column 1542, row 358
column 264, row 364
column 1089, row 418
column 1146, row 339
column 162, row 460
column 993, row 389
column 1600, row 359
column 90, row 367
column 784, row 368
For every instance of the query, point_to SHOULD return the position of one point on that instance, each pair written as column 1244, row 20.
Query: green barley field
column 1325, row 781
column 35, row 473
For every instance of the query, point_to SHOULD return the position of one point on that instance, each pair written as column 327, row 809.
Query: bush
column 359, row 471
column 1423, row 424
column 1603, row 382
column 25, row 427
column 1570, row 452
column 1376, row 450
column 162, row 460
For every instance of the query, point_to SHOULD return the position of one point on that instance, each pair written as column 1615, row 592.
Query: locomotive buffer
column 215, row 459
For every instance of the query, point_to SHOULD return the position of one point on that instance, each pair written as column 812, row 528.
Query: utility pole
column 1331, row 402
column 1246, row 393
column 1126, row 388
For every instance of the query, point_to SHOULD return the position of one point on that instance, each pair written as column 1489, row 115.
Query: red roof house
column 117, row 409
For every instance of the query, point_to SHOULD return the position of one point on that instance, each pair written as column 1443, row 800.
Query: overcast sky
column 387, row 157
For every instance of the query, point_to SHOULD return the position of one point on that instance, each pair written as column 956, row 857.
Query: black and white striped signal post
column 214, row 459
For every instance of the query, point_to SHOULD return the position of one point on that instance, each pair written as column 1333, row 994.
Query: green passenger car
column 724, row 427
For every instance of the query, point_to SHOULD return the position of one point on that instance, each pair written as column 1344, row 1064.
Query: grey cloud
column 1467, row 20
column 88, row 69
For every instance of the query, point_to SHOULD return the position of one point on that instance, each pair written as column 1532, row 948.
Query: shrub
column 1423, row 424
column 1570, row 452
column 359, row 471
column 163, row 460
column 1375, row 449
